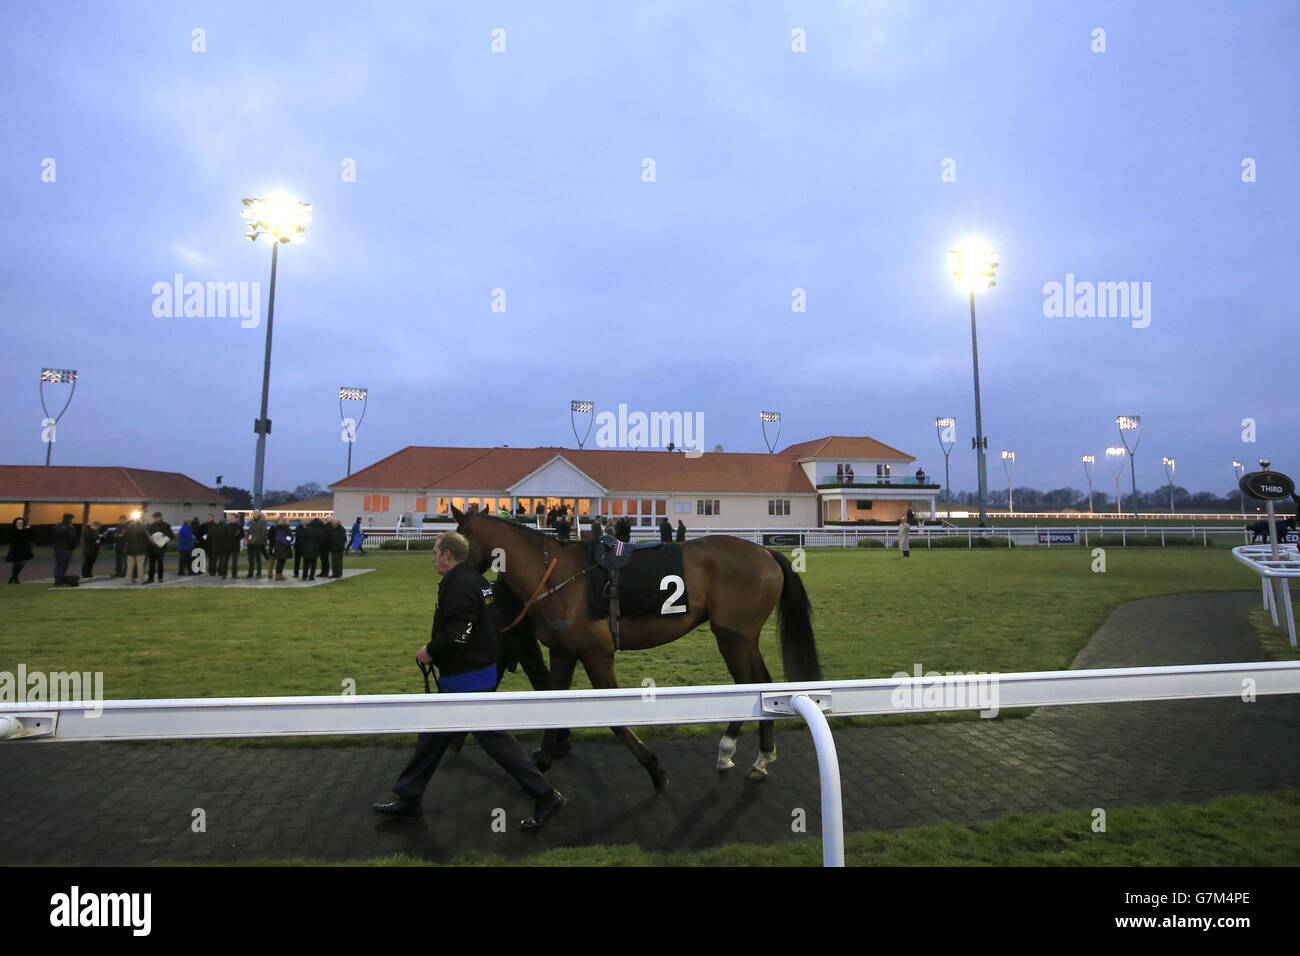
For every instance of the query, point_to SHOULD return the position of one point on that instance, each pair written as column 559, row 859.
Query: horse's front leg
column 599, row 666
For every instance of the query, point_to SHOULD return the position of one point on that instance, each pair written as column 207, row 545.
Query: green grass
column 1255, row 830
column 1023, row 609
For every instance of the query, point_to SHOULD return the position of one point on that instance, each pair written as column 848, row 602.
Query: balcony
column 878, row 481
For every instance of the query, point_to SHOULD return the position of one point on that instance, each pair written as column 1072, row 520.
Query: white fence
column 201, row 718
column 921, row 536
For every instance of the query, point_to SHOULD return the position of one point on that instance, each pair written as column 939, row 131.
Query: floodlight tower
column 1169, row 470
column 1131, row 423
column 51, row 424
column 350, row 425
column 280, row 220
column 1239, row 470
column 1009, row 466
column 1115, row 460
column 1088, row 464
column 974, row 265
column 765, row 418
column 947, row 429
column 581, row 408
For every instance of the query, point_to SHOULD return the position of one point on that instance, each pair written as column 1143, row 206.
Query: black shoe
column 401, row 807
column 547, row 806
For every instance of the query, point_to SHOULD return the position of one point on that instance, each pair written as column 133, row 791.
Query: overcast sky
column 774, row 170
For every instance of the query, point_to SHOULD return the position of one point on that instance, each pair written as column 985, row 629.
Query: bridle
column 538, row 595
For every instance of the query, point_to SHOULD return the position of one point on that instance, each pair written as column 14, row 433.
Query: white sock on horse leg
column 726, row 750
column 763, row 760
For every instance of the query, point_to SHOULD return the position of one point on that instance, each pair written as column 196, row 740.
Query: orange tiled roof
column 842, row 446
column 96, row 483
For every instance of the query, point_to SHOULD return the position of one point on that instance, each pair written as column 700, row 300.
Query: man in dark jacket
column 218, row 538
column 156, row 550
column 119, row 547
column 338, row 543
column 256, row 543
column 309, row 544
column 65, row 542
column 234, row 536
column 137, row 541
column 681, row 531
column 665, row 530
column 463, row 646
column 204, row 542
column 89, row 549
column 623, row 530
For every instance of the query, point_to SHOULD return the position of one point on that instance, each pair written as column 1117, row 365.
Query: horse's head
column 480, row 556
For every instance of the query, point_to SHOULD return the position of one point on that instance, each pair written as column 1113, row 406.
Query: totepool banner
column 1056, row 537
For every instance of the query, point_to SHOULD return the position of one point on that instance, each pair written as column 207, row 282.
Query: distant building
column 806, row 485
column 318, row 506
column 44, row 493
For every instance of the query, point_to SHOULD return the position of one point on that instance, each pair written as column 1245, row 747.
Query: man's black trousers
column 498, row 744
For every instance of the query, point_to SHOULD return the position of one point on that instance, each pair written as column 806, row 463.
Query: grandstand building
column 829, row 480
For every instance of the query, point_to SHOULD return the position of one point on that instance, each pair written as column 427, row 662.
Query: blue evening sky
column 774, row 170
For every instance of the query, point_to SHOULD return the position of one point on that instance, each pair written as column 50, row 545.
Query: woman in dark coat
column 283, row 548
column 20, row 548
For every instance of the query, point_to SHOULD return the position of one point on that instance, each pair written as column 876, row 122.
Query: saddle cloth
column 650, row 580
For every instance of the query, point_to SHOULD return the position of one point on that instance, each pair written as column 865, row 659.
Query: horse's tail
column 794, row 624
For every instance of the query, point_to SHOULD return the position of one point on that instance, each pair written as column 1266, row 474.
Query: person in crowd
column 681, row 531
column 903, row 544
column 158, row 527
column 665, row 530
column 119, row 546
column 20, row 549
column 911, row 516
column 464, row 646
column 234, row 540
column 65, row 542
column 338, row 543
column 90, row 539
column 358, row 539
column 562, row 529
column 299, row 537
column 218, row 541
column 309, row 546
column 184, row 550
column 205, row 542
column 623, row 530
column 256, row 544
column 137, row 540
column 283, row 547
column 196, row 533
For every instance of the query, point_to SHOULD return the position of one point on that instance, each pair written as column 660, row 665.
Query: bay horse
column 732, row 583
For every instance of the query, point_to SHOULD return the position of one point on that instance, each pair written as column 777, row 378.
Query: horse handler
column 464, row 646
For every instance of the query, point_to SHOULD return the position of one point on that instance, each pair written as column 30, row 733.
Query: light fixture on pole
column 581, row 408
column 350, row 425
column 1169, row 470
column 49, row 424
column 947, row 429
column 1127, row 424
column 280, row 220
column 766, row 418
column 974, row 265
column 1115, row 460
column 1009, row 466
column 1239, row 469
column 1088, row 464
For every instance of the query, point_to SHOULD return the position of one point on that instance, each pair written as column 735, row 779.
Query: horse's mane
column 540, row 536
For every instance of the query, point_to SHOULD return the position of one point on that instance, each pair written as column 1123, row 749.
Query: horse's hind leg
column 766, row 728
column 553, row 740
column 600, row 669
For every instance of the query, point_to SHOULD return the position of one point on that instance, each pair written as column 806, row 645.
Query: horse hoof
column 758, row 776
column 660, row 781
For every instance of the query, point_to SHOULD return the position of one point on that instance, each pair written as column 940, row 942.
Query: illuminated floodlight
column 1088, row 464
column 974, row 265
column 578, row 407
column 1130, row 426
column 1115, row 460
column 277, row 218
column 50, row 423
column 352, row 394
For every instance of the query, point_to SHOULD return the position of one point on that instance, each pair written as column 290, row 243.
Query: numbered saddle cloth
column 651, row 584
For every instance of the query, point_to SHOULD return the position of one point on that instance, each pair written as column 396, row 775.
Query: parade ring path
column 112, row 804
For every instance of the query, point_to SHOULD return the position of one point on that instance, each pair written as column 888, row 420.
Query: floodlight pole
column 49, row 445
column 979, row 420
column 1239, row 469
column 262, row 426
column 1087, row 472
